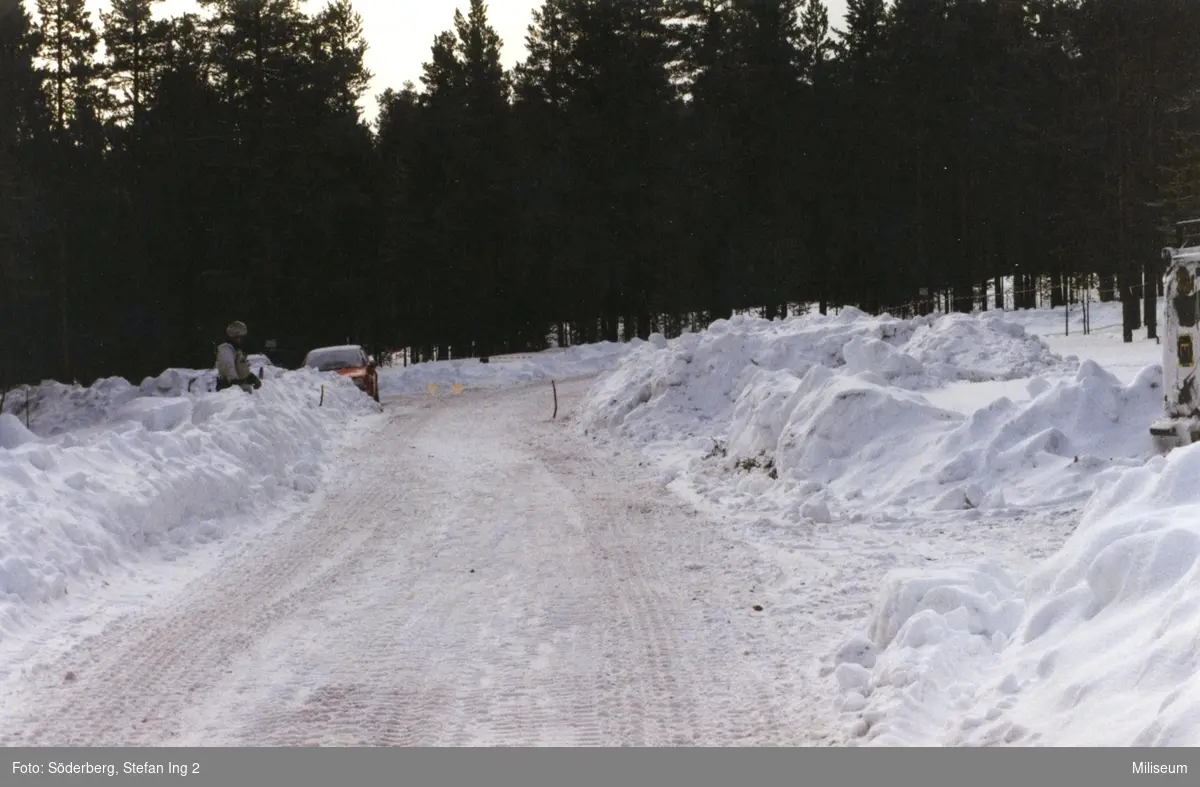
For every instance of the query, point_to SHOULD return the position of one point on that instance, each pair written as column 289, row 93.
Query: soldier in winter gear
column 232, row 366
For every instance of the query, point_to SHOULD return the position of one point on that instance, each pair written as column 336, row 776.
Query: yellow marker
column 458, row 388
column 433, row 388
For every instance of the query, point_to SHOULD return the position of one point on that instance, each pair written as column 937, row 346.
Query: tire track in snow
column 485, row 579
column 140, row 678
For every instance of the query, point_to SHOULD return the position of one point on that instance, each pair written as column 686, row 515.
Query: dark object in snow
column 758, row 608
column 1180, row 424
column 762, row 461
column 70, row 676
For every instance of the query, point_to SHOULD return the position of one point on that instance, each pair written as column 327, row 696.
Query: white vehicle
column 1180, row 424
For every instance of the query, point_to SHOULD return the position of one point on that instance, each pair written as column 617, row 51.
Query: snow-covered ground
column 95, row 479
column 974, row 542
column 502, row 371
column 947, row 530
column 471, row 574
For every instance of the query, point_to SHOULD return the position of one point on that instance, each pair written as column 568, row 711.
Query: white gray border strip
column 352, row 767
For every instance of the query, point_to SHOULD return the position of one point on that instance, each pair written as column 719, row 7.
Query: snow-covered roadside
column 504, row 370
column 94, row 479
column 1104, row 344
column 837, row 416
column 860, row 452
column 1106, row 652
column 1096, row 647
column 1093, row 646
column 116, row 472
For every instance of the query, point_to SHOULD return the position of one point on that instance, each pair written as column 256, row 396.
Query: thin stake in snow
column 322, row 404
column 554, row 387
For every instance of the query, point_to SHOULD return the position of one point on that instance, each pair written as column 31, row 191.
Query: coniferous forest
column 652, row 164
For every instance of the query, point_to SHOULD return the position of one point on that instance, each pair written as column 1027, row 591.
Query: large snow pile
column 710, row 368
column 141, row 470
column 54, row 408
column 505, row 370
column 833, row 410
column 1097, row 647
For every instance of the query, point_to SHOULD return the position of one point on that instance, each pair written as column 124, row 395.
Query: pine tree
column 188, row 154
column 770, row 179
column 133, row 41
column 863, row 37
column 69, row 44
column 814, row 43
column 23, row 123
column 339, row 47
column 542, row 78
column 463, row 180
column 817, row 106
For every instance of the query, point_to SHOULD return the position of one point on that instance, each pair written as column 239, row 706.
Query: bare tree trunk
column 64, row 311
column 1057, row 292
column 1107, row 289
column 1150, row 299
column 643, row 326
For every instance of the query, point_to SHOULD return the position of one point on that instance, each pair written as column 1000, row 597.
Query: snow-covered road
column 478, row 575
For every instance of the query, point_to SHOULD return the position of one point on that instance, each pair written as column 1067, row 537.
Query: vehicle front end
column 365, row 379
column 1180, row 424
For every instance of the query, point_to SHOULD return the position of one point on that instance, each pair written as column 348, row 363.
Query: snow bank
column 504, row 370
column 712, row 367
column 1097, row 647
column 833, row 409
column 930, row 637
column 53, row 408
column 117, row 469
column 982, row 347
column 1106, row 653
column 13, row 433
column 833, row 420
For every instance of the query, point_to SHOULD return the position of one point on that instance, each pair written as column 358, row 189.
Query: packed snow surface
column 948, row 531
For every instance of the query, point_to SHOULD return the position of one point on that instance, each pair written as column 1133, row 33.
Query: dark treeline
column 651, row 164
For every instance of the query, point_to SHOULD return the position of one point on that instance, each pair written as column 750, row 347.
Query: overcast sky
column 400, row 32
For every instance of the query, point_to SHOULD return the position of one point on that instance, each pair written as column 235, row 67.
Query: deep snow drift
column 1096, row 647
column 834, row 410
column 832, row 424
column 104, row 473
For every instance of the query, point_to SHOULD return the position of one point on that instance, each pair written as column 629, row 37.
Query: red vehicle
column 348, row 360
